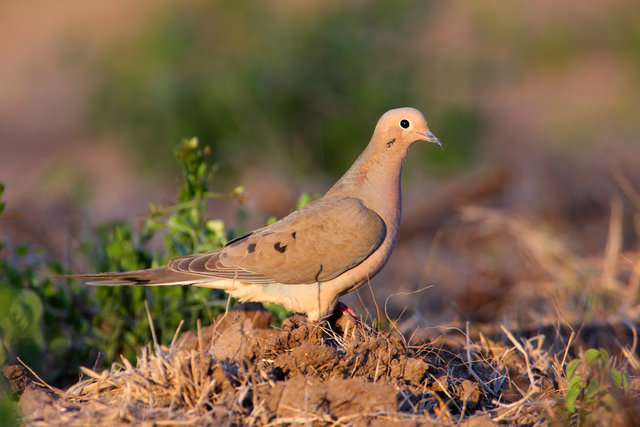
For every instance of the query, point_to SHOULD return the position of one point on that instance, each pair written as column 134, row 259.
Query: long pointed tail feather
column 151, row 277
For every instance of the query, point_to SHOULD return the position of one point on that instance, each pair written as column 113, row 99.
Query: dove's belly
column 316, row 300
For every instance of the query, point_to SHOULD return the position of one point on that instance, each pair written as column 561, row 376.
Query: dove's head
column 402, row 127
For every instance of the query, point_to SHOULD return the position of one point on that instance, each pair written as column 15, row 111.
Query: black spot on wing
column 293, row 234
column 278, row 247
column 251, row 248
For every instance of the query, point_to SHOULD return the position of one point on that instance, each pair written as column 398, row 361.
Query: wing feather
column 316, row 243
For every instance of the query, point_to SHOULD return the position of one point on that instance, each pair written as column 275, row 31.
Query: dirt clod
column 309, row 358
column 240, row 371
column 301, row 397
column 17, row 376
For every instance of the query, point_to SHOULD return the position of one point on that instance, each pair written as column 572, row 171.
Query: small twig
column 470, row 362
column 201, row 350
column 373, row 297
column 634, row 332
column 174, row 422
column 512, row 405
column 164, row 210
column 226, row 309
column 153, row 331
column 95, row 365
column 42, row 382
column 355, row 367
column 205, row 394
column 526, row 357
column 175, row 336
column 630, row 354
column 566, row 350
column 625, row 184
column 394, row 323
column 468, row 346
column 375, row 376
column 444, row 389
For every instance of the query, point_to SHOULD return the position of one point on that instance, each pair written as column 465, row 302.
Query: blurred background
column 537, row 104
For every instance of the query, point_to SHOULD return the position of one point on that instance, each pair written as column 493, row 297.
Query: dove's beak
column 428, row 136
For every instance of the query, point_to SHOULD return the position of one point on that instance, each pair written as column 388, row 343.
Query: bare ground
column 241, row 371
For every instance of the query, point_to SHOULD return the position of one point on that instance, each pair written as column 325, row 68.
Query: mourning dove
column 324, row 250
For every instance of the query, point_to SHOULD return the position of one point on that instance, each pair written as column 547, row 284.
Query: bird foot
column 342, row 322
column 345, row 309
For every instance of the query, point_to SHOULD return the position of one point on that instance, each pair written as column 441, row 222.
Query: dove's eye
column 404, row 123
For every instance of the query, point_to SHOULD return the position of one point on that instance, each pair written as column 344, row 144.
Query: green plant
column 120, row 322
column 41, row 321
column 593, row 383
column 56, row 325
column 8, row 407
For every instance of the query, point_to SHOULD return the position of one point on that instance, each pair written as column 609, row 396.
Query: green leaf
column 25, row 312
column 3, row 352
column 33, row 302
column 571, row 367
column 591, row 356
column 573, row 391
column 626, row 381
column 616, row 377
column 609, row 400
column 593, row 390
column 216, row 227
column 238, row 191
column 271, row 220
column 9, row 412
column 304, row 199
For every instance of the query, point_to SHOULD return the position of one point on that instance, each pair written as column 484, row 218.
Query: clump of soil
column 240, row 371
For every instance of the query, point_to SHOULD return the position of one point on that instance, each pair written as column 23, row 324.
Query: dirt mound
column 241, row 371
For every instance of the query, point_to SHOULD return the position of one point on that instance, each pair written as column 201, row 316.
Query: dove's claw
column 342, row 319
column 345, row 309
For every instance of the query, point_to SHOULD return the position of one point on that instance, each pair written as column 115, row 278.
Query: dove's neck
column 374, row 178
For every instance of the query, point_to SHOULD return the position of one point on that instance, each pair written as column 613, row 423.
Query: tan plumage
column 308, row 259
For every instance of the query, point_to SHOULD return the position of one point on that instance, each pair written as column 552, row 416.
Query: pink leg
column 344, row 308
column 341, row 320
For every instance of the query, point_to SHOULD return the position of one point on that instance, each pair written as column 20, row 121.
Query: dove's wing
column 314, row 244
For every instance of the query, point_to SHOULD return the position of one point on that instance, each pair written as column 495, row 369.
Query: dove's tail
column 151, row 277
